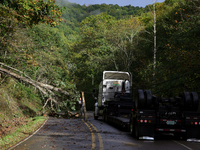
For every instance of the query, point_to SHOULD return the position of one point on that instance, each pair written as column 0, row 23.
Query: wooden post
column 84, row 107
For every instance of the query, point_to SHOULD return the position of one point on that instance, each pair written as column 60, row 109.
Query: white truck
column 146, row 115
column 115, row 101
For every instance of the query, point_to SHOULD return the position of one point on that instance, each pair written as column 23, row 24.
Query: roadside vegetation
column 49, row 53
column 107, row 42
column 18, row 129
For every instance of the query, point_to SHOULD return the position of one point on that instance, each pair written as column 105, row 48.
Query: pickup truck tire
column 148, row 98
column 195, row 100
column 140, row 99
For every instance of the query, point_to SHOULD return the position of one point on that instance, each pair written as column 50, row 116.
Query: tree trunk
column 38, row 85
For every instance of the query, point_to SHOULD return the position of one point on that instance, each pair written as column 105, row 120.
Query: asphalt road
column 77, row 134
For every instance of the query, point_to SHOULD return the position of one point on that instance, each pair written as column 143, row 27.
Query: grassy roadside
column 20, row 133
column 20, row 111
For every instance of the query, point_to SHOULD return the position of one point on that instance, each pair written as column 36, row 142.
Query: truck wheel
column 187, row 100
column 140, row 99
column 148, row 97
column 195, row 100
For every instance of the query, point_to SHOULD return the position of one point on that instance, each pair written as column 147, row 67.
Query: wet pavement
column 77, row 134
column 59, row 134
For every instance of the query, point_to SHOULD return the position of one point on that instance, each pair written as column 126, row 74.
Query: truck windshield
column 116, row 75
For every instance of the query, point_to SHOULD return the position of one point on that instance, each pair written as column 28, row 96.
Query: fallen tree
column 29, row 80
column 45, row 89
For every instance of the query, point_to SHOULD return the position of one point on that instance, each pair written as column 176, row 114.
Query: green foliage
column 40, row 52
column 29, row 126
column 8, row 20
column 31, row 12
column 114, row 10
column 18, row 100
column 95, row 38
column 177, row 47
column 105, row 44
column 75, row 13
column 91, row 49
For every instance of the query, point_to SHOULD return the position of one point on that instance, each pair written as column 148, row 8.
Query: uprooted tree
column 48, row 91
column 19, row 48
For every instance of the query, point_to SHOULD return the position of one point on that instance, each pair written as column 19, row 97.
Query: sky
column 140, row 3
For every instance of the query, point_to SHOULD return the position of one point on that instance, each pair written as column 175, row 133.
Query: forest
column 68, row 46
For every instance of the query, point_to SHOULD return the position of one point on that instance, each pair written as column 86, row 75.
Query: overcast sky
column 140, row 3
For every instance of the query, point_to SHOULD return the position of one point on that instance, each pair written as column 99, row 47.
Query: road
column 77, row 134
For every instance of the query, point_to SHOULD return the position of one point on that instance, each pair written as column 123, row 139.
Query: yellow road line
column 93, row 136
column 99, row 136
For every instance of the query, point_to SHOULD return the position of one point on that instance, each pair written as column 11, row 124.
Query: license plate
column 170, row 123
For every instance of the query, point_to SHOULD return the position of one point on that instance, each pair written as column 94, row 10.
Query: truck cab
column 114, row 86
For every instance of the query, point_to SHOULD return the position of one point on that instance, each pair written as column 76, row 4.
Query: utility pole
column 154, row 51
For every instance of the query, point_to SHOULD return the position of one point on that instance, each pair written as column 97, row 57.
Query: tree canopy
column 70, row 48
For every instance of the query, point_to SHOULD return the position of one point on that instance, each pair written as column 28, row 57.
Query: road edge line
column 28, row 136
column 183, row 145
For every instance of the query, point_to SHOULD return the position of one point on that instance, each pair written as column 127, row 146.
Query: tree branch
column 31, row 81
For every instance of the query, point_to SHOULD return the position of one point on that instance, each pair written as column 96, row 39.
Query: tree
column 31, row 12
column 177, row 47
column 123, row 38
column 25, row 49
column 91, row 53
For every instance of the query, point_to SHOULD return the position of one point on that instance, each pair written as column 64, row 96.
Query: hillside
column 69, row 48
